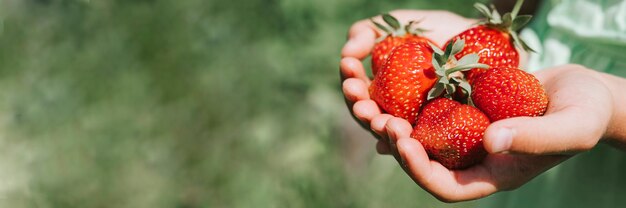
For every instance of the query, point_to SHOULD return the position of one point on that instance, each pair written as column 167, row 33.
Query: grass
column 158, row 103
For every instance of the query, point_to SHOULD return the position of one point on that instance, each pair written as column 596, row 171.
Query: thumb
column 569, row 130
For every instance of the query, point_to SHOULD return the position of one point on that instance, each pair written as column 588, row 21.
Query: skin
column 520, row 148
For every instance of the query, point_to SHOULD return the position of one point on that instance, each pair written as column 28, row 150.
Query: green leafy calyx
column 509, row 22
column 392, row 27
column 448, row 69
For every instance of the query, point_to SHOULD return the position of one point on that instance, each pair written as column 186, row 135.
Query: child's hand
column 361, row 40
column 584, row 109
column 579, row 113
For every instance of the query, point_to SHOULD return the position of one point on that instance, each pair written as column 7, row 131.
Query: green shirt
column 590, row 33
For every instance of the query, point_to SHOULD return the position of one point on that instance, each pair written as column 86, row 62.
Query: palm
column 497, row 172
column 536, row 150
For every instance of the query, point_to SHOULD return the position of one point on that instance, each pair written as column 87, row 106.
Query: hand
column 361, row 40
column 579, row 113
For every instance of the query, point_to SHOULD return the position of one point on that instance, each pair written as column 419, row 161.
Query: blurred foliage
column 161, row 103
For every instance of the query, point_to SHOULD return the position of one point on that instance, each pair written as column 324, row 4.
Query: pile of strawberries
column 451, row 95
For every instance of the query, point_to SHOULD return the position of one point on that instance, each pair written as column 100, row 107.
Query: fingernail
column 503, row 140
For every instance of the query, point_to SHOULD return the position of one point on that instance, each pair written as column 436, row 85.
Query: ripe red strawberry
column 395, row 35
column 452, row 133
column 508, row 92
column 401, row 86
column 492, row 45
column 494, row 39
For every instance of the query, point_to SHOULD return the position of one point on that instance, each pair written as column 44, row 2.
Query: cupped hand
column 361, row 40
column 520, row 148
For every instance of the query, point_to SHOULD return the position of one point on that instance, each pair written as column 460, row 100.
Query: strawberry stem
column 516, row 8
column 466, row 68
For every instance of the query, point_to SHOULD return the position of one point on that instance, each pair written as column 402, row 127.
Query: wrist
column 616, row 130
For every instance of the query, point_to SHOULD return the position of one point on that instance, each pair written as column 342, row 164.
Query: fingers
column 566, row 131
column 414, row 160
column 390, row 129
column 361, row 39
column 365, row 110
column 378, row 126
column 497, row 172
column 398, row 128
column 355, row 90
column 351, row 67
column 446, row 185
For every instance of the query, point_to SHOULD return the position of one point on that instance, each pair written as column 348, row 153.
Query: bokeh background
column 189, row 103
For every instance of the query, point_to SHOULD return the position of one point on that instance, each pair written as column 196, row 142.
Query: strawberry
column 451, row 133
column 394, row 35
column 503, row 92
column 400, row 87
column 494, row 39
column 413, row 74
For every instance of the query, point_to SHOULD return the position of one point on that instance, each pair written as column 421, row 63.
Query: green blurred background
column 188, row 103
